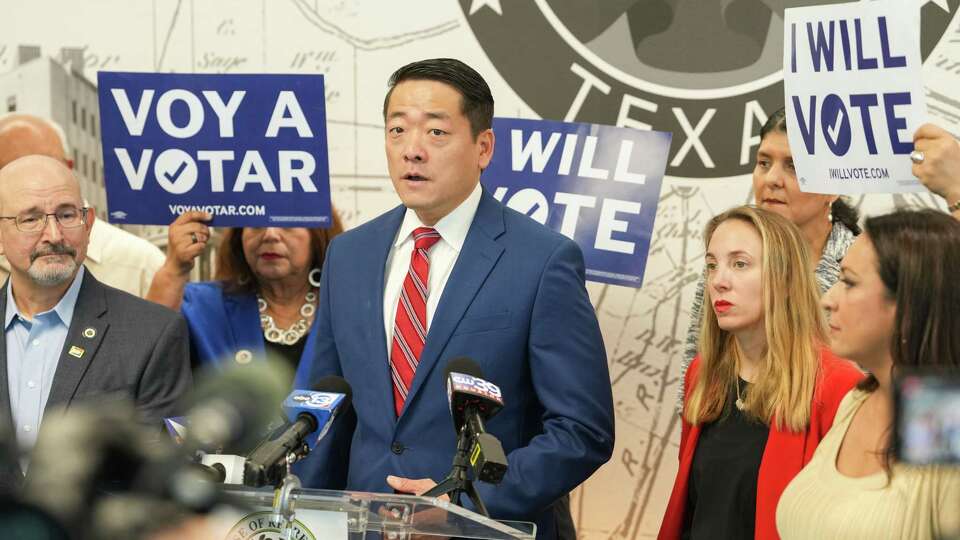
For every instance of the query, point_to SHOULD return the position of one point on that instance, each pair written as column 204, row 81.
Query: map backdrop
column 624, row 62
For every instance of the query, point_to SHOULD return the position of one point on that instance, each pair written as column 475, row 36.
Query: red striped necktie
column 410, row 326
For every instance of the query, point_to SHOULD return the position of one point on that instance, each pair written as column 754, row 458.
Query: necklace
column 297, row 330
column 739, row 403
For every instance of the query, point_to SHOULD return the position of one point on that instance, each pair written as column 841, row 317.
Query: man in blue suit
column 452, row 273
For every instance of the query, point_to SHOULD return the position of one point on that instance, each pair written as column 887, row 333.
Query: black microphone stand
column 458, row 481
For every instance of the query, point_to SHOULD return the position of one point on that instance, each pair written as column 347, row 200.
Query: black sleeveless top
column 722, row 495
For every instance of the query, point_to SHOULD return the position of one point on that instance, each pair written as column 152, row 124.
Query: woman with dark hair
column 894, row 308
column 263, row 296
column 827, row 222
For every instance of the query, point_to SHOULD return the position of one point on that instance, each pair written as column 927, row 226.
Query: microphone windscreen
column 232, row 408
column 463, row 365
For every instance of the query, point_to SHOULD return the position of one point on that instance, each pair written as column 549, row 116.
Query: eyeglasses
column 69, row 218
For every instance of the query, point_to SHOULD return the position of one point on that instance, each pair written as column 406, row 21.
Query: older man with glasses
column 116, row 257
column 67, row 337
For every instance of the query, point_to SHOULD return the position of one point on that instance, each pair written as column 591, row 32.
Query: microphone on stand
column 473, row 400
column 309, row 412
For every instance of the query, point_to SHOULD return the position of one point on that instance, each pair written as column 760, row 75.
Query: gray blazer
column 132, row 349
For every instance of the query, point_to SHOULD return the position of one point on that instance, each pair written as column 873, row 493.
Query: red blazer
column 785, row 454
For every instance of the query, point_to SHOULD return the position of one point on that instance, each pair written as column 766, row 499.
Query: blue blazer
column 223, row 324
column 515, row 302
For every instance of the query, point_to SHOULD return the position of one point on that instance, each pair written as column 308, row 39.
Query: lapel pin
column 243, row 356
column 89, row 333
column 75, row 351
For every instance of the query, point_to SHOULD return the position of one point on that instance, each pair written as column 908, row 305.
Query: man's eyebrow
column 31, row 210
column 433, row 115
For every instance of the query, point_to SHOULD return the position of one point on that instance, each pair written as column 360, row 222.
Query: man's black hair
column 476, row 101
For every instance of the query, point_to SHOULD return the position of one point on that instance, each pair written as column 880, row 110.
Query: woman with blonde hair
column 763, row 390
column 827, row 222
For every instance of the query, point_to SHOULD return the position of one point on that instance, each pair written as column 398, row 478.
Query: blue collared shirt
column 33, row 352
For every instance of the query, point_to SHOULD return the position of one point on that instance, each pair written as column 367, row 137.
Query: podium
column 313, row 514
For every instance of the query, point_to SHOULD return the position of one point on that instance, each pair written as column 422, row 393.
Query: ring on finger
column 194, row 238
column 917, row 156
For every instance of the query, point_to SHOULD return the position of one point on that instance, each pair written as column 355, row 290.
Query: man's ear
column 2, row 251
column 89, row 219
column 486, row 141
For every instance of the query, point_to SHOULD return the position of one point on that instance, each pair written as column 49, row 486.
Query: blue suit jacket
column 515, row 302
column 222, row 324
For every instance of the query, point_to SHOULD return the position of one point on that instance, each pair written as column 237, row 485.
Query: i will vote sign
column 249, row 149
column 854, row 95
column 598, row 185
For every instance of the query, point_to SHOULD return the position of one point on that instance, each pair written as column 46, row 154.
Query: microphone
column 308, row 411
column 223, row 468
column 472, row 401
column 232, row 409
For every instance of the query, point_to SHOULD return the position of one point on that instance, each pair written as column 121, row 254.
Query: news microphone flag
column 321, row 405
column 464, row 389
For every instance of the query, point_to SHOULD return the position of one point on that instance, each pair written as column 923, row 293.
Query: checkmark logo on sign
column 176, row 171
column 176, row 174
column 530, row 203
column 834, row 130
column 836, row 126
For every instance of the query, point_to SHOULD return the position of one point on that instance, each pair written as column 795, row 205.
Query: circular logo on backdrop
column 706, row 71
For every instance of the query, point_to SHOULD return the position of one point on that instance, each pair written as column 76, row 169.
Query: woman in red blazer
column 763, row 390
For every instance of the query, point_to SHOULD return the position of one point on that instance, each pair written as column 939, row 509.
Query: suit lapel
column 477, row 258
column 6, row 416
column 244, row 322
column 374, row 260
column 86, row 332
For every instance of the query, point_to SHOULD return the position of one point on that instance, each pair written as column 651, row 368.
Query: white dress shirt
column 443, row 255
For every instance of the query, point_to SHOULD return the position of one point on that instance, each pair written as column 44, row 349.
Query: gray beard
column 52, row 276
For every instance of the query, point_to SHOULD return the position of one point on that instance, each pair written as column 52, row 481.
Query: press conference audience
column 828, row 224
column 936, row 162
column 894, row 309
column 116, row 257
column 69, row 338
column 763, row 390
column 264, row 293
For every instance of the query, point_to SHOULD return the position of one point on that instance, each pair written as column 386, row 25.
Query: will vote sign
column 854, row 95
column 249, row 149
column 598, row 185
